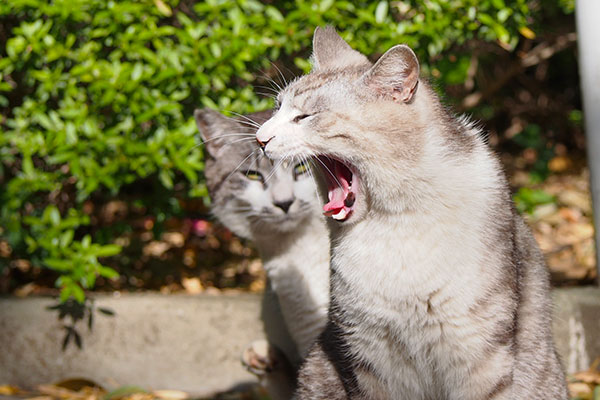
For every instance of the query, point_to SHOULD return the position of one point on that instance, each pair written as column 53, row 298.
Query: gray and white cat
column 276, row 206
column 438, row 289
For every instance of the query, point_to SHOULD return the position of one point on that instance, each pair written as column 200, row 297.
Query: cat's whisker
column 275, row 168
column 246, row 120
column 251, row 125
column 280, row 73
column 269, row 80
column 203, row 142
column 228, row 135
column 240, row 210
column 279, row 163
column 240, row 164
column 328, row 170
column 267, row 88
column 247, row 140
column 276, row 87
column 289, row 71
column 265, row 94
column 312, row 175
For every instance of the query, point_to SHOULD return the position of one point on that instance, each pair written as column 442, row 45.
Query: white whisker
column 280, row 73
column 328, row 170
column 312, row 176
column 239, row 165
column 246, row 120
column 228, row 135
column 275, row 168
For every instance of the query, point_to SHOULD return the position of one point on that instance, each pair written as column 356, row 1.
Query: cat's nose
column 264, row 135
column 284, row 205
column 262, row 144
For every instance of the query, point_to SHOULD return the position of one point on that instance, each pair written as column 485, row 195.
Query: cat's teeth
column 341, row 215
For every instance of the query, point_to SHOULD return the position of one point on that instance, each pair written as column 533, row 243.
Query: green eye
column 254, row 175
column 300, row 169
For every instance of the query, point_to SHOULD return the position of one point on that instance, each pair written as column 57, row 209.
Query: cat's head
column 250, row 193
column 364, row 123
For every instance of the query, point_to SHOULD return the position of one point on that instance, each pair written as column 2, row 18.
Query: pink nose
column 265, row 133
column 261, row 144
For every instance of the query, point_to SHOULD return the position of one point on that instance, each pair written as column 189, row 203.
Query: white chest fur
column 414, row 280
column 298, row 266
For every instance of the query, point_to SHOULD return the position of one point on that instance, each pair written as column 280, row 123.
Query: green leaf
column 54, row 215
column 58, row 264
column 108, row 250
column 78, row 293
column 215, row 49
column 86, row 241
column 15, row 46
column 526, row 199
column 123, row 391
column 325, row 5
column 66, row 238
column 274, row 14
column 108, row 272
column 166, row 179
column 65, row 293
column 163, row 8
column 381, row 11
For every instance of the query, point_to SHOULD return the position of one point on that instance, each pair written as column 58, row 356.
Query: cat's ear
column 213, row 126
column 330, row 51
column 396, row 74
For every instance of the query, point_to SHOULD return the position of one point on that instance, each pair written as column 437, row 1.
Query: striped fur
column 438, row 289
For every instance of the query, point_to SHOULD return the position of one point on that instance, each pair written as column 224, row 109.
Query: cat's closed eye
column 254, row 175
column 300, row 117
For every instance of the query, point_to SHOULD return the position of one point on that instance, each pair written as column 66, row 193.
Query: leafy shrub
column 526, row 199
column 96, row 98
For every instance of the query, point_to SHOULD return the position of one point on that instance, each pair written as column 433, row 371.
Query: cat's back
column 537, row 363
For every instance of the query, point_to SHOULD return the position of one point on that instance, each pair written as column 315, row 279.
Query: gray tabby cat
column 276, row 206
column 438, row 289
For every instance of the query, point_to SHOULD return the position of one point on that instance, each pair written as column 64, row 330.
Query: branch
column 540, row 53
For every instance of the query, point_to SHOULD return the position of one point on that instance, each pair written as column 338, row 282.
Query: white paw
column 261, row 358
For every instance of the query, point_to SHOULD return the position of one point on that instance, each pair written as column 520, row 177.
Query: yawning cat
column 438, row 289
column 276, row 206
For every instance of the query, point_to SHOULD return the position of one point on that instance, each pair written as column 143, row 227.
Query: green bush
column 97, row 96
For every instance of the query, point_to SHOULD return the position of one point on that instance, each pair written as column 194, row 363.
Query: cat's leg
column 273, row 370
column 303, row 293
column 319, row 379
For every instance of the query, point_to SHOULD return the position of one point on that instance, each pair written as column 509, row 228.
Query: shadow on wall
column 73, row 314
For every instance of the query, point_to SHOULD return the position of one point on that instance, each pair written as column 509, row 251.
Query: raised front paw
column 262, row 358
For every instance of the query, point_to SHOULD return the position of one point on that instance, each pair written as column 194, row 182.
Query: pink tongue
column 338, row 194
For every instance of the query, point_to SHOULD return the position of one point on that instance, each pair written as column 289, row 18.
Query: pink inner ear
column 406, row 92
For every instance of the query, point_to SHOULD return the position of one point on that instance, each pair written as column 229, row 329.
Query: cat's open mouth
column 342, row 188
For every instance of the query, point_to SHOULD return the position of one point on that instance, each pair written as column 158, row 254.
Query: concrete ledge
column 189, row 343
column 193, row 343
column 576, row 326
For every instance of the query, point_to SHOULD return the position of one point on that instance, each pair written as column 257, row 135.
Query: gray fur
column 438, row 289
column 293, row 243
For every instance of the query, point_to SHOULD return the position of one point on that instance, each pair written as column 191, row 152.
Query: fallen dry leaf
column 588, row 377
column 576, row 199
column 175, row 239
column 62, row 393
column 156, row 248
column 7, row 390
column 559, row 164
column 580, row 389
column 171, row 394
column 192, row 285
